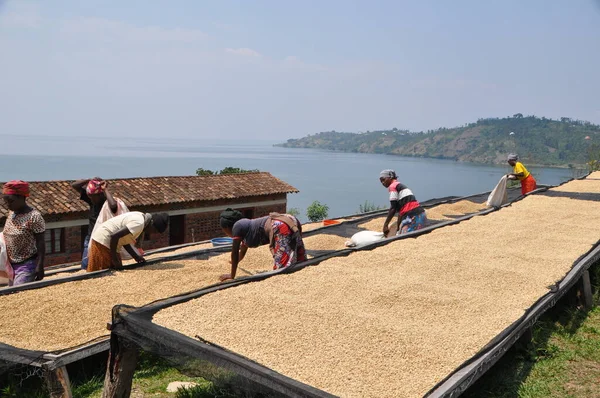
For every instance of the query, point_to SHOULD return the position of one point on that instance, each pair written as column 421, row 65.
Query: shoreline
column 576, row 166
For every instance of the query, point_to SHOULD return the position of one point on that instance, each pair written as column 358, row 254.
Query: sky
column 273, row 70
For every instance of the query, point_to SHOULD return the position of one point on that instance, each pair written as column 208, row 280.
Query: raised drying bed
column 408, row 318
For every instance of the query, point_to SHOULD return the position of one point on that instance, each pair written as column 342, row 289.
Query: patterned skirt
column 410, row 224
column 287, row 249
column 98, row 257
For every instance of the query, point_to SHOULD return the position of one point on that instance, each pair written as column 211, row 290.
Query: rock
column 176, row 385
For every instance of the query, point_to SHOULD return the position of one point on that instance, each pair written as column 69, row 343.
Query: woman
column 528, row 183
column 411, row 216
column 283, row 232
column 95, row 193
column 121, row 232
column 23, row 235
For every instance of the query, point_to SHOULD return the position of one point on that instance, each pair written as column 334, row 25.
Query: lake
column 341, row 180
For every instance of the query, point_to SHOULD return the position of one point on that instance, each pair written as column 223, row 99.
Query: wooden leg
column 588, row 298
column 122, row 361
column 57, row 381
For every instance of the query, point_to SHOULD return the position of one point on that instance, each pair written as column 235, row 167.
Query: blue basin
column 221, row 242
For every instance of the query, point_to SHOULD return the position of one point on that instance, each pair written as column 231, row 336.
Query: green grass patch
column 562, row 361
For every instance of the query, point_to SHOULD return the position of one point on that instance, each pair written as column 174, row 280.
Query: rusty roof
column 58, row 197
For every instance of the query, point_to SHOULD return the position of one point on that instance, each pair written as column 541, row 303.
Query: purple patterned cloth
column 24, row 272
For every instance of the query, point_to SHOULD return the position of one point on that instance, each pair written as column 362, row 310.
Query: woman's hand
column 39, row 273
column 117, row 263
column 225, row 277
column 386, row 230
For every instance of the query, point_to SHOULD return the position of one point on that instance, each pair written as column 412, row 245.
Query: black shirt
column 94, row 210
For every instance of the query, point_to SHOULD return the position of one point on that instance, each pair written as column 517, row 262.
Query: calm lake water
column 340, row 180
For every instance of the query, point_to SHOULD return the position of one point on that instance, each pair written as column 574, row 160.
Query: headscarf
column 230, row 217
column 16, row 187
column 160, row 221
column 388, row 173
column 513, row 156
column 94, row 187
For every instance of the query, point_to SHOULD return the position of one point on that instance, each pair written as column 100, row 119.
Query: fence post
column 122, row 360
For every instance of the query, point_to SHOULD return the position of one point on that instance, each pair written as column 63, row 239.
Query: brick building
column 193, row 203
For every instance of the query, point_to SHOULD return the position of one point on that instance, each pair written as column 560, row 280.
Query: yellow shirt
column 519, row 168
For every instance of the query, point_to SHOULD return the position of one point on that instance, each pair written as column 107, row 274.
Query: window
column 55, row 240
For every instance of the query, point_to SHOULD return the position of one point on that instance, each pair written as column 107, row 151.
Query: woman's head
column 228, row 218
column 386, row 177
column 14, row 193
column 160, row 222
column 512, row 159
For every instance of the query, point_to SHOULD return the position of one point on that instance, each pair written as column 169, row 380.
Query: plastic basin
column 221, row 242
column 330, row 222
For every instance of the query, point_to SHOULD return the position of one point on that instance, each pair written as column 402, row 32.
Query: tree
column 226, row 170
column 518, row 116
column 204, row 172
column 236, row 170
column 317, row 211
column 293, row 211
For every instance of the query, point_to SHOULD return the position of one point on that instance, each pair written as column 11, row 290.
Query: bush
column 317, row 211
column 368, row 207
column 293, row 211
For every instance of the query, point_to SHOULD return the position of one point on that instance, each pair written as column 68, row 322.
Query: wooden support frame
column 122, row 360
column 58, row 383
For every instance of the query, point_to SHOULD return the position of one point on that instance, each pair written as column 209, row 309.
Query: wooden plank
column 588, row 298
column 65, row 358
column 57, row 381
column 122, row 360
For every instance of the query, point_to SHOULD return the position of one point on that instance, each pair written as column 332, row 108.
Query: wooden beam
column 588, row 298
column 57, row 381
column 122, row 360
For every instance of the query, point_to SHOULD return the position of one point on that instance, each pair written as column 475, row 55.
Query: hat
column 388, row 173
column 94, row 187
column 160, row 221
column 513, row 156
column 16, row 187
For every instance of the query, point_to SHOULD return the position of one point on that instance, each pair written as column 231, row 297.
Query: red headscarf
column 16, row 187
column 94, row 187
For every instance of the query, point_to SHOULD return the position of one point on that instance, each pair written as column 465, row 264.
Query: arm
column 114, row 242
column 243, row 250
column 393, row 210
column 235, row 259
column 112, row 203
column 134, row 254
column 40, row 245
column 80, row 184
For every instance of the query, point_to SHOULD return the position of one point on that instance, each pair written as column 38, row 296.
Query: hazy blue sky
column 280, row 69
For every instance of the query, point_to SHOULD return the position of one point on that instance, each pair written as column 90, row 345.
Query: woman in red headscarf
column 24, row 234
column 95, row 193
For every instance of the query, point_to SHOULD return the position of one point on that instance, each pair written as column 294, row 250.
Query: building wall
column 72, row 248
column 198, row 226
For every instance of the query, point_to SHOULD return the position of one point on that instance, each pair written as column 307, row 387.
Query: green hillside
column 539, row 141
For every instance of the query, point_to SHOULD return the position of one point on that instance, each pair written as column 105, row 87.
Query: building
column 193, row 203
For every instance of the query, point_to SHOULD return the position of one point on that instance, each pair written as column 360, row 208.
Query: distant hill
column 537, row 140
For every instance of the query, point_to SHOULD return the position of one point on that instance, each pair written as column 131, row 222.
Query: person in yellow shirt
column 520, row 173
